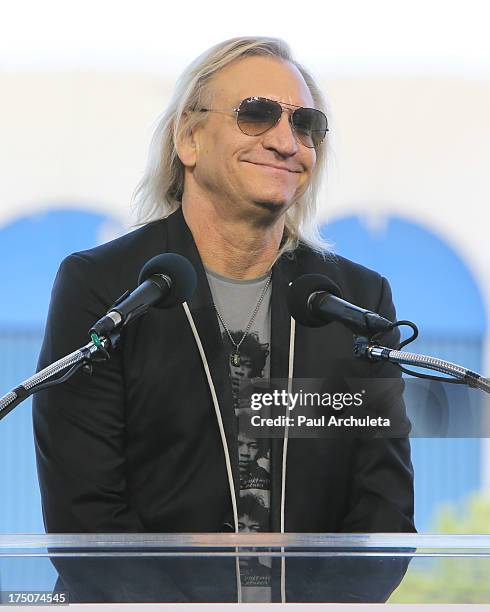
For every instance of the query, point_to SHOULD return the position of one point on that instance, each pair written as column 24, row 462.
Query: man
column 249, row 453
column 149, row 443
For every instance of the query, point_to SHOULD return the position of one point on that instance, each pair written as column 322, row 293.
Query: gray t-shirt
column 235, row 301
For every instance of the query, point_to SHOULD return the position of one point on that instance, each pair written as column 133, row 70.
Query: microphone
column 164, row 281
column 315, row 300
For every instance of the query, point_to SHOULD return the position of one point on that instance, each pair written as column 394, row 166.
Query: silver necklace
column 235, row 358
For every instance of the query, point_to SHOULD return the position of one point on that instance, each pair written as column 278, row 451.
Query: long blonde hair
column 159, row 193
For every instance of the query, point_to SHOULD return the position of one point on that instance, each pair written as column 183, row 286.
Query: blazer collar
column 285, row 270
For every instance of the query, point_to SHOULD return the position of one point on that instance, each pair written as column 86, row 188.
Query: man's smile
column 271, row 166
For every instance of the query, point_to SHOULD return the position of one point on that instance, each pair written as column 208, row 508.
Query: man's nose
column 281, row 137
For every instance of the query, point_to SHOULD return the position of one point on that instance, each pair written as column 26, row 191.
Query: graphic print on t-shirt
column 245, row 304
column 253, row 458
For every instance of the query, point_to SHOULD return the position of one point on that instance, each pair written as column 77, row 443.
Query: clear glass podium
column 198, row 568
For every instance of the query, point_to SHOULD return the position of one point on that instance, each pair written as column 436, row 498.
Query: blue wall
column 31, row 250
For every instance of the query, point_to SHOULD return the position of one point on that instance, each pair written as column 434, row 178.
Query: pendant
column 235, row 359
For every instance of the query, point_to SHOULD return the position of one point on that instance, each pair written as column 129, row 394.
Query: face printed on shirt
column 244, row 370
column 248, row 524
column 248, row 450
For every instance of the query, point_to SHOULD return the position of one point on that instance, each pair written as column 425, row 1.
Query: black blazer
column 136, row 446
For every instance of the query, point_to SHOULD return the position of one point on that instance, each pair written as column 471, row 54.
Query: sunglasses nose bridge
column 278, row 115
column 289, row 112
column 283, row 136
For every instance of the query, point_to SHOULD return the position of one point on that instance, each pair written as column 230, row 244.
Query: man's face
column 256, row 175
column 244, row 370
column 248, row 449
column 248, row 524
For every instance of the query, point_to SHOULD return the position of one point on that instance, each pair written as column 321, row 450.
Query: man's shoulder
column 106, row 271
column 143, row 240
column 123, row 256
column 333, row 264
column 358, row 283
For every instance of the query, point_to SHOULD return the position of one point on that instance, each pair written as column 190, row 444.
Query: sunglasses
column 256, row 115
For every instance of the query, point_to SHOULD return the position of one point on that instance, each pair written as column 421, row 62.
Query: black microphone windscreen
column 299, row 292
column 181, row 272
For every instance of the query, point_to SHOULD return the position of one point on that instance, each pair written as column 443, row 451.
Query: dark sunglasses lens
column 256, row 116
column 310, row 125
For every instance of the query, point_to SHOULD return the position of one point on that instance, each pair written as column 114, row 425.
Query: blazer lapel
column 180, row 240
column 283, row 272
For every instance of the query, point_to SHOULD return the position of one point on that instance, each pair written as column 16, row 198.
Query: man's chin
column 273, row 205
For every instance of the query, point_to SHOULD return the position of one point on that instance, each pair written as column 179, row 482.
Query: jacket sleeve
column 381, row 497
column 79, row 425
column 79, row 440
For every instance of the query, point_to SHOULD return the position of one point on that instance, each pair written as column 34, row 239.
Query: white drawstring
column 217, row 410
column 229, row 471
column 292, row 332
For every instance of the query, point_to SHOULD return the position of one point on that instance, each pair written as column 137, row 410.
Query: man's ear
column 186, row 145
